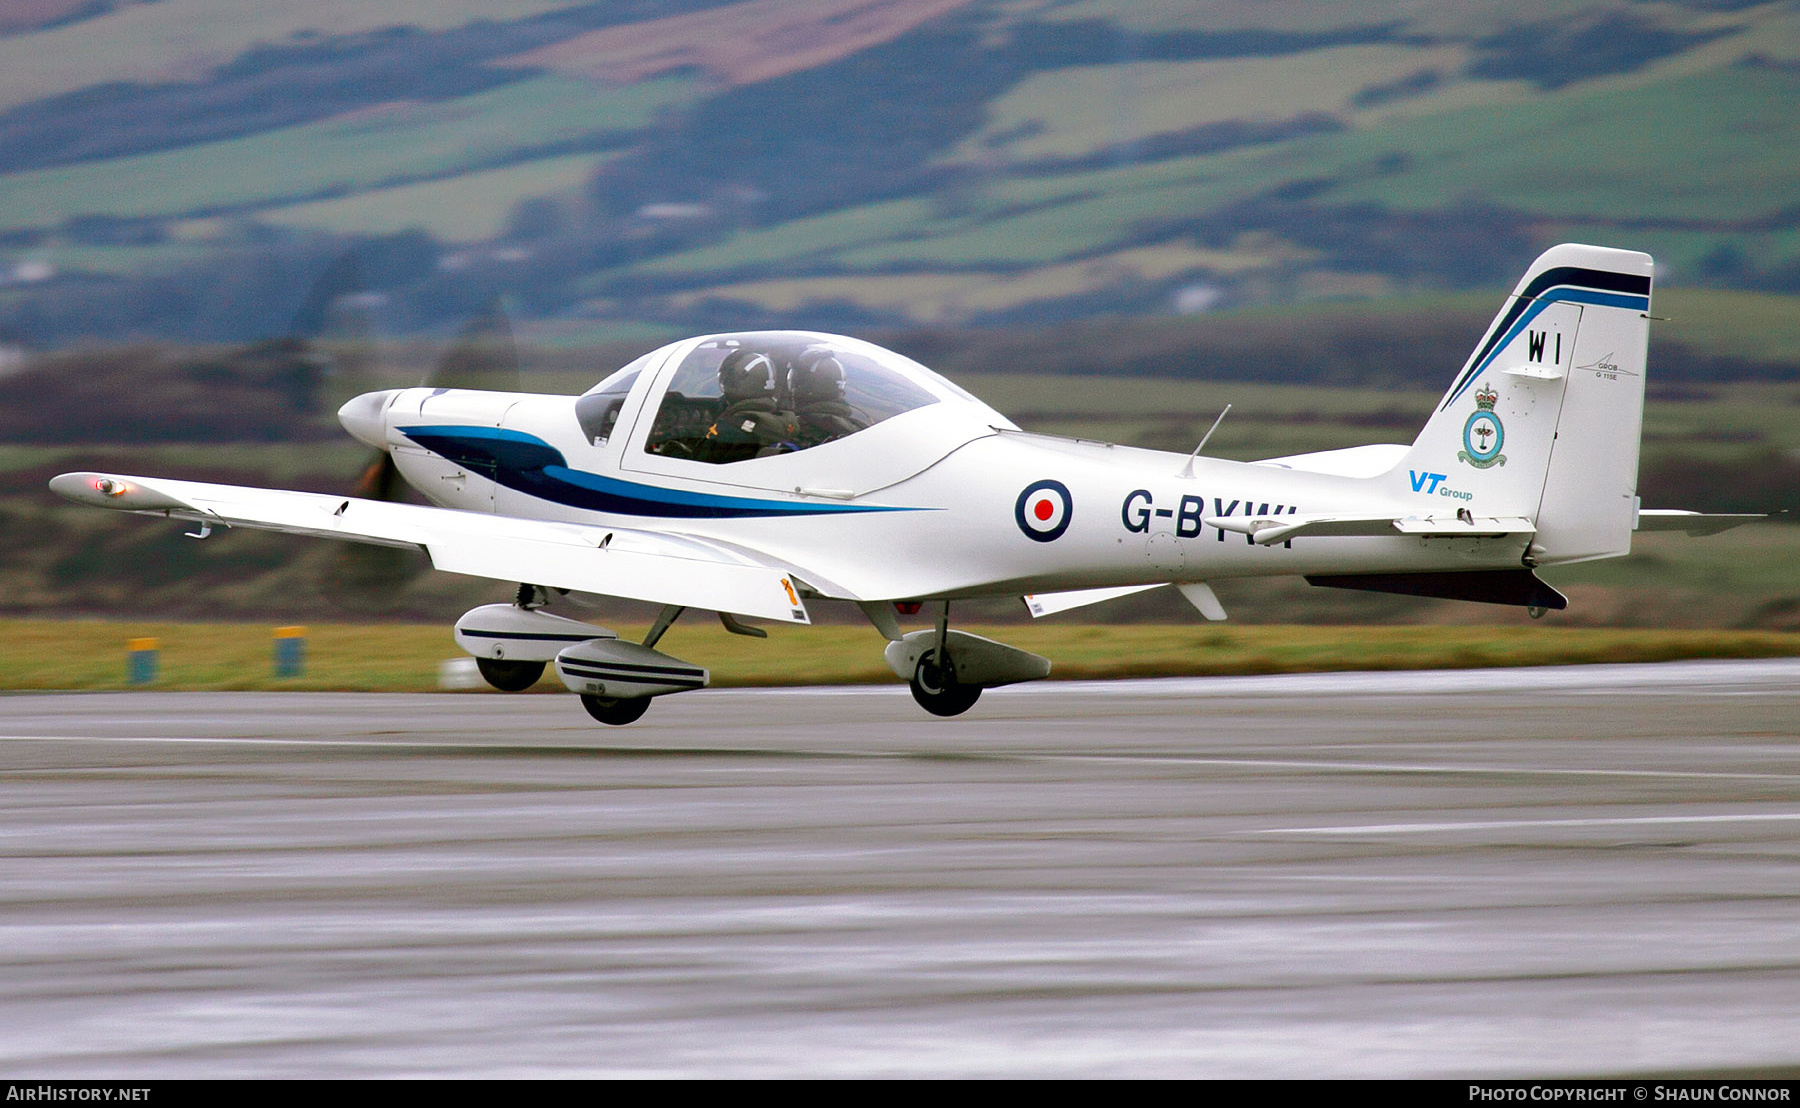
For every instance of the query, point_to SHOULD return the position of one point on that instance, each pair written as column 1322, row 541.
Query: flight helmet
column 746, row 375
column 818, row 376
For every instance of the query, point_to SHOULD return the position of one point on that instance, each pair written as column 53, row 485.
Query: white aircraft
column 759, row 474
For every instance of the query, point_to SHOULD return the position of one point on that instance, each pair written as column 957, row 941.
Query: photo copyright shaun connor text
column 1646, row 1092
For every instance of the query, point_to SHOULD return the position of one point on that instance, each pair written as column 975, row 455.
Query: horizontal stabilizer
column 1371, row 460
column 1519, row 587
column 1464, row 525
column 1271, row 530
column 638, row 565
column 1694, row 523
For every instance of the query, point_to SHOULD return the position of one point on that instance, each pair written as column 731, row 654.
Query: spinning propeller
column 331, row 328
column 482, row 357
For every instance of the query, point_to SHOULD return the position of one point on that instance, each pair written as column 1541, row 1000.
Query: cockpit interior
column 757, row 395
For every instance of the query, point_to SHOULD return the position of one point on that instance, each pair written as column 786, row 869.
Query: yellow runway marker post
column 141, row 657
column 290, row 651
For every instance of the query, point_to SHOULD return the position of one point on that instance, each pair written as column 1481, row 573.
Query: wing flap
column 1050, row 603
column 661, row 578
column 638, row 565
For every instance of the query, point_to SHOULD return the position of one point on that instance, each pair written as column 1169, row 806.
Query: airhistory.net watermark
column 51, row 1094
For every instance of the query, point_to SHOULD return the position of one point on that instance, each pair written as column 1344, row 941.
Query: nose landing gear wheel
column 615, row 710
column 509, row 676
column 936, row 689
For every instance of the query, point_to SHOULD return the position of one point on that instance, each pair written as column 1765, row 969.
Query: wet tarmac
column 1573, row 871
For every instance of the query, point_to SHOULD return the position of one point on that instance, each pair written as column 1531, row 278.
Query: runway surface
column 1538, row 872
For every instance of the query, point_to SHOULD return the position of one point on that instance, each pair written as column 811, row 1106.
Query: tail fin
column 1545, row 418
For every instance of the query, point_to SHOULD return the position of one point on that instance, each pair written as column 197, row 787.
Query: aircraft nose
column 365, row 416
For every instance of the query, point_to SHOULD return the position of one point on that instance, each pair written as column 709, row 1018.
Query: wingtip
column 106, row 490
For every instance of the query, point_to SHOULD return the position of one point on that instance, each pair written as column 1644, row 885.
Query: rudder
column 1589, row 506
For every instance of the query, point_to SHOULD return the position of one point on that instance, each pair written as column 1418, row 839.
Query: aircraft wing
column 639, row 565
column 1694, row 523
column 1269, row 530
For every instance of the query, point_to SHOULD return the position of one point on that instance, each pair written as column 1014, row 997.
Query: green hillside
column 345, row 157
column 857, row 163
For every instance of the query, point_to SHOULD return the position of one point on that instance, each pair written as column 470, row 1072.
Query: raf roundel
column 1043, row 511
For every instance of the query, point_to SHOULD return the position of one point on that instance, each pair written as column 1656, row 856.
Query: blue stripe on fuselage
column 530, row 465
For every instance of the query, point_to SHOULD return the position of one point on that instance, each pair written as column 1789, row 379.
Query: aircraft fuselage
column 997, row 511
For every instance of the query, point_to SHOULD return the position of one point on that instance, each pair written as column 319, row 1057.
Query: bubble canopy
column 735, row 397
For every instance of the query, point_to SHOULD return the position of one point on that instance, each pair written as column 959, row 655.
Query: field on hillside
column 1058, row 173
column 364, row 154
column 464, row 208
column 1572, row 158
column 175, row 38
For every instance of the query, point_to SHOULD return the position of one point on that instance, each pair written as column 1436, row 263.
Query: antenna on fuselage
column 1188, row 469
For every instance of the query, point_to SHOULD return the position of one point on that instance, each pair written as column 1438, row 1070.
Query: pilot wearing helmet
column 816, row 382
column 753, row 422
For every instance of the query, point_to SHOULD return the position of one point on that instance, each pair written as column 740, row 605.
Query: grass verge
column 92, row 654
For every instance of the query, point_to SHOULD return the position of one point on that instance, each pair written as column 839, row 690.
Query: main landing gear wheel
column 616, row 710
column 509, row 676
column 936, row 689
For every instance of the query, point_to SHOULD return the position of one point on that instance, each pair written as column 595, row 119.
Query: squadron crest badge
column 1483, row 434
